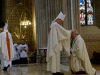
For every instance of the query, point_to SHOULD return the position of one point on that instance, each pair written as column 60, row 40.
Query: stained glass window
column 86, row 12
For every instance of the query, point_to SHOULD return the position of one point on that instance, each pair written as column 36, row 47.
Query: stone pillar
column 34, row 24
column 71, row 8
column 66, row 10
column 75, row 15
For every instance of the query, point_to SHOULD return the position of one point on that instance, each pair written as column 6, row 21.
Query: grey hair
column 74, row 31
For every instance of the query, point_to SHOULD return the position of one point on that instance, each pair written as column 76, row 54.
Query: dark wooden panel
column 2, row 10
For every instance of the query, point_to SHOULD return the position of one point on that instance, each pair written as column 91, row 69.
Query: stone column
column 66, row 10
column 71, row 8
column 34, row 24
column 75, row 21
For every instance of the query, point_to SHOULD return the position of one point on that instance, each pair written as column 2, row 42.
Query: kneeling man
column 79, row 58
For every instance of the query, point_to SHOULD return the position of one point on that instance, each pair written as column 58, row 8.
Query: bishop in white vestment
column 6, row 48
column 58, row 39
column 79, row 58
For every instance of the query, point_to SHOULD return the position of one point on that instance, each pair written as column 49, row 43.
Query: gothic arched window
column 86, row 12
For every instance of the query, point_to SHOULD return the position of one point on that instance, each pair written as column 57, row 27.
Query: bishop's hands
column 70, row 55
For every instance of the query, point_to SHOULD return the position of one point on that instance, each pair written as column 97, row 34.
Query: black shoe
column 59, row 73
column 79, row 72
column 4, row 69
column 54, row 73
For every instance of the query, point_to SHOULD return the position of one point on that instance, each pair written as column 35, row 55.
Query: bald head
column 74, row 34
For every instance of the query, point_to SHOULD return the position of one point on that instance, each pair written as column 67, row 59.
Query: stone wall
column 91, row 35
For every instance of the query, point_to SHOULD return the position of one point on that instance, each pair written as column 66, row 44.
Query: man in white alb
column 6, row 48
column 58, row 39
column 80, row 61
column 23, row 50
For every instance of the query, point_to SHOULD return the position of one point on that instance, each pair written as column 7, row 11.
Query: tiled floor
column 37, row 69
